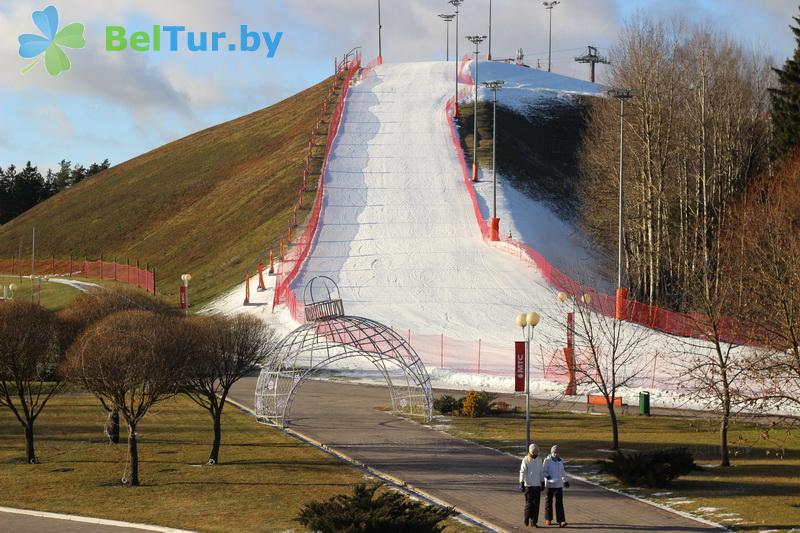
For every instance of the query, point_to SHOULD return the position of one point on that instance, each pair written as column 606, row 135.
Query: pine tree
column 61, row 181
column 786, row 102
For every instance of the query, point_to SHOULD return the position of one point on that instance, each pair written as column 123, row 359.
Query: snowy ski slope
column 398, row 232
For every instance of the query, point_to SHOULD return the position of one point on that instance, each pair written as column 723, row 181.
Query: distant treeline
column 22, row 189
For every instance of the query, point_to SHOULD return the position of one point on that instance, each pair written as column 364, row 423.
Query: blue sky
column 118, row 105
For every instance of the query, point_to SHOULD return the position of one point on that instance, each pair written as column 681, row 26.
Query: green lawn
column 262, row 481
column 54, row 296
column 762, row 489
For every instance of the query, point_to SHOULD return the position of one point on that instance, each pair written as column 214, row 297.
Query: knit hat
column 533, row 449
column 554, row 449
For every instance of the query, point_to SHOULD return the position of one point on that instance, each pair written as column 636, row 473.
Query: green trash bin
column 644, row 403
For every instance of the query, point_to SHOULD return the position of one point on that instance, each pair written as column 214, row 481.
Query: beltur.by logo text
column 177, row 38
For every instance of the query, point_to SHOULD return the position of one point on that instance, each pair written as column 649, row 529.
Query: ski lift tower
column 592, row 58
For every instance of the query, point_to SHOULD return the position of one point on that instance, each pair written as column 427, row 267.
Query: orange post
column 494, row 234
column 569, row 356
column 247, row 289
column 282, row 250
column 289, row 233
column 261, row 286
column 621, row 303
column 271, row 262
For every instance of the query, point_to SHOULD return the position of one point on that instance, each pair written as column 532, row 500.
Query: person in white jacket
column 555, row 479
column 531, row 481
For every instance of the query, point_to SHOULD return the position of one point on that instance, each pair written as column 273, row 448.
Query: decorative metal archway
column 329, row 336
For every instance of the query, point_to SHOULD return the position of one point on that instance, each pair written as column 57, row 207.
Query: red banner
column 519, row 366
column 184, row 302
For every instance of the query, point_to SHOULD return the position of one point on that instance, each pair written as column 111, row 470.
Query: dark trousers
column 532, row 497
column 548, row 506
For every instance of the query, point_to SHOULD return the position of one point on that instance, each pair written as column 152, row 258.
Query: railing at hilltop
column 83, row 268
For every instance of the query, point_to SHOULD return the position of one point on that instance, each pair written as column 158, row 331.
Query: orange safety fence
column 651, row 316
column 293, row 260
column 144, row 278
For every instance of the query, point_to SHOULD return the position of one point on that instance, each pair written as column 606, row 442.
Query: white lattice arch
column 330, row 336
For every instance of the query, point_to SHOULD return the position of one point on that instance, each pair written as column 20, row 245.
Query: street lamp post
column 495, row 226
column 549, row 6
column 447, row 19
column 476, row 40
column 380, row 27
column 622, row 294
column 456, row 4
column 527, row 322
column 186, row 279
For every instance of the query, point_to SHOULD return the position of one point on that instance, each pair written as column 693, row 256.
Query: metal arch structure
column 329, row 336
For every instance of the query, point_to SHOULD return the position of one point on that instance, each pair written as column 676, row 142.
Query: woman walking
column 555, row 479
column 531, row 480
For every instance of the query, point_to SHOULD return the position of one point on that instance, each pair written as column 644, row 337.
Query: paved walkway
column 12, row 522
column 478, row 480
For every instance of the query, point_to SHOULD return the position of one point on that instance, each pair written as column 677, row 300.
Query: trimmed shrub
column 651, row 469
column 478, row 404
column 364, row 512
column 448, row 405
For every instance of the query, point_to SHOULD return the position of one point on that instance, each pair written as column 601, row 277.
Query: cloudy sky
column 117, row 105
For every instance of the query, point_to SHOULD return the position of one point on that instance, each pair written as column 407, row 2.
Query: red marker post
column 184, row 301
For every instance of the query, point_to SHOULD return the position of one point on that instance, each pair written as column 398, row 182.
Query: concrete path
column 21, row 521
column 477, row 480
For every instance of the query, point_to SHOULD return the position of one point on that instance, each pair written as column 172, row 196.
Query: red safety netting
column 478, row 356
column 293, row 260
column 674, row 323
column 83, row 268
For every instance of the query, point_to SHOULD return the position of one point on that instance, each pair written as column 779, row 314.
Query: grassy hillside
column 205, row 204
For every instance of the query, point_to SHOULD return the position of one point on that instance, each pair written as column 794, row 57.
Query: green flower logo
column 50, row 42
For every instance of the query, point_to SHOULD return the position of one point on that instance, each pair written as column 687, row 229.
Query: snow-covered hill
column 525, row 88
column 398, row 233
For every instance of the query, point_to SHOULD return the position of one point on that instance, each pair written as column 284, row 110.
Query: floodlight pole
column 549, row 6
column 380, row 27
column 456, row 4
column 621, row 95
column 476, row 40
column 447, row 19
column 494, row 234
column 489, row 55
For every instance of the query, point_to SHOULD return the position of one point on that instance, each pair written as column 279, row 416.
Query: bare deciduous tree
column 768, row 227
column 228, row 350
column 92, row 306
column 132, row 360
column 610, row 354
column 714, row 367
column 30, row 357
column 696, row 133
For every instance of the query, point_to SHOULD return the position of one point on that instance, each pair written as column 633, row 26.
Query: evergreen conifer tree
column 786, row 102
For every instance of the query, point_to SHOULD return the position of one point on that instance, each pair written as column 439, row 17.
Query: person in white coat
column 555, row 479
column 531, row 481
